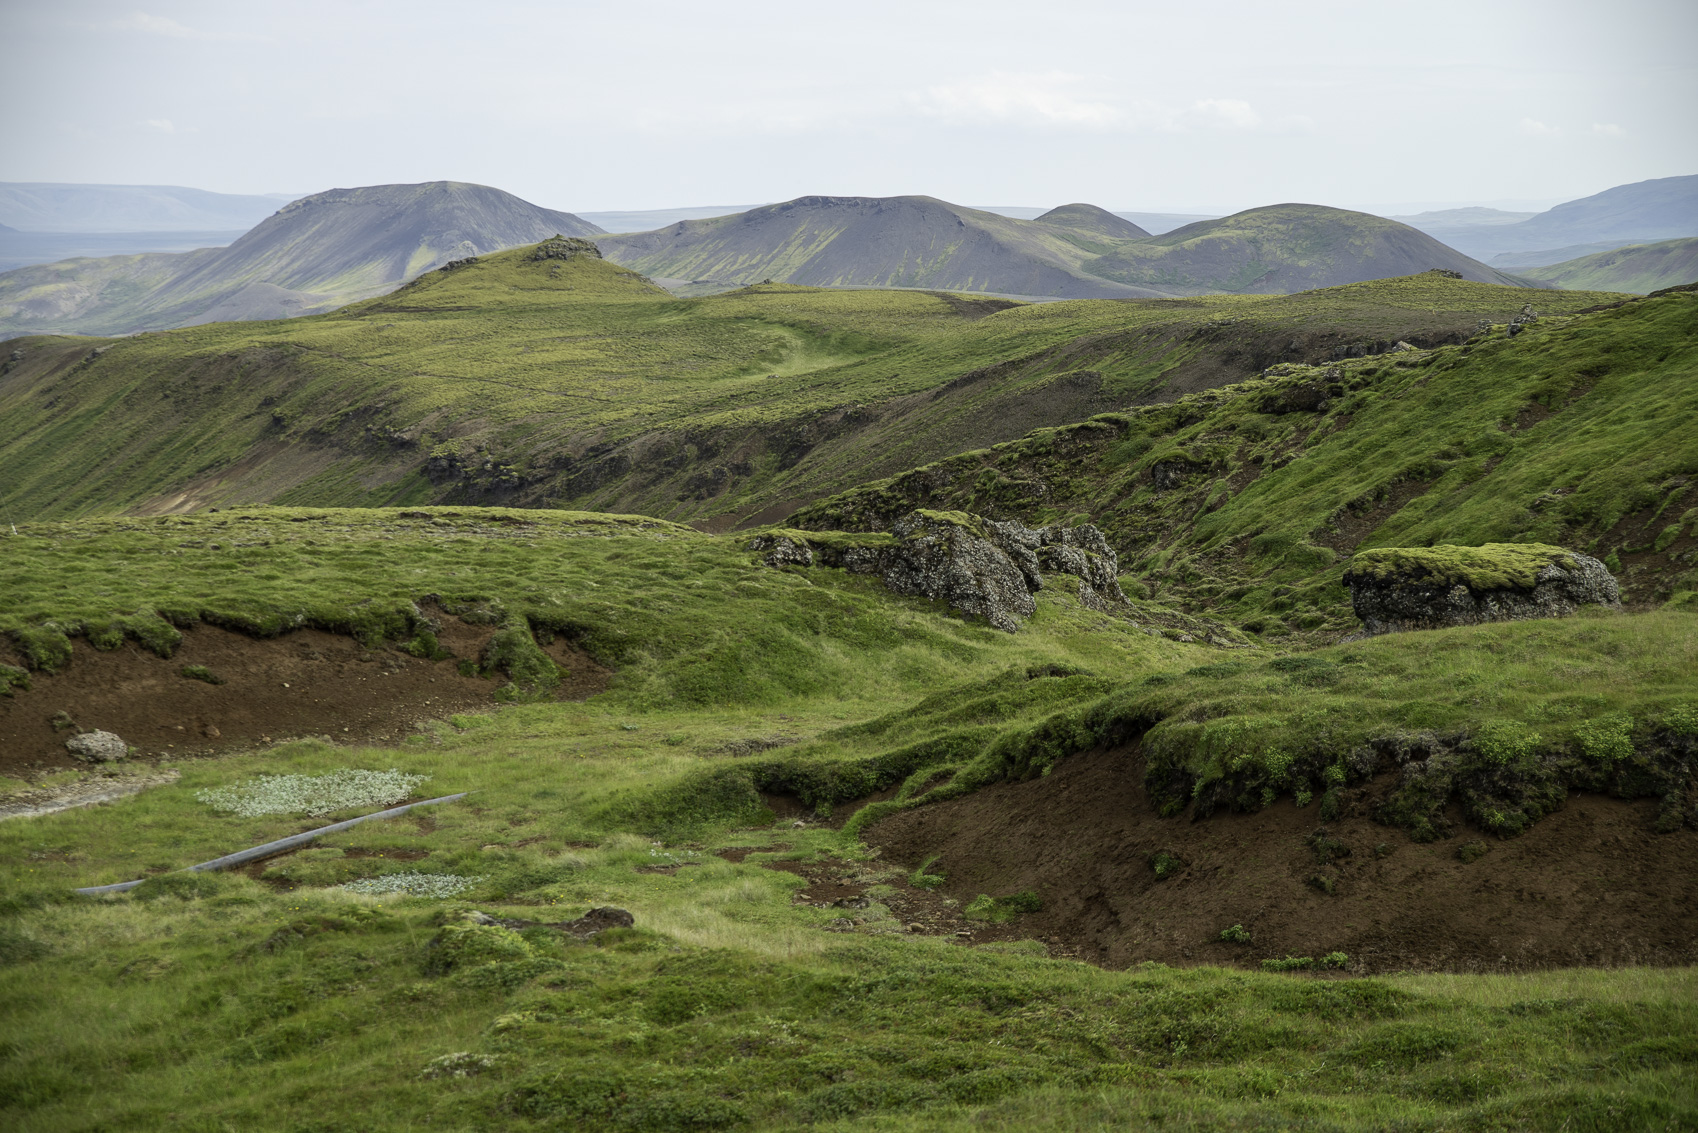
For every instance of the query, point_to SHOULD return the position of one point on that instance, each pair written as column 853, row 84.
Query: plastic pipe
column 242, row 857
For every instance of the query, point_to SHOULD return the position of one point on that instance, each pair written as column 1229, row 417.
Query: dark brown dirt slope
column 1590, row 885
column 304, row 683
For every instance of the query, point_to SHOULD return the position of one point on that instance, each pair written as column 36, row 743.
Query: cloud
column 1534, row 128
column 1608, row 129
column 163, row 125
column 1051, row 99
column 1226, row 113
column 149, row 24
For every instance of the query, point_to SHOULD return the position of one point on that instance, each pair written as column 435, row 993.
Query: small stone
column 98, row 747
column 916, row 927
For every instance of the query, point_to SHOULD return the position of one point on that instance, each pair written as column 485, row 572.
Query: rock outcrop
column 98, row 747
column 560, row 247
column 1407, row 588
column 979, row 566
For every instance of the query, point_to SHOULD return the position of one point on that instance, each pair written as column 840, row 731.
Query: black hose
column 241, row 857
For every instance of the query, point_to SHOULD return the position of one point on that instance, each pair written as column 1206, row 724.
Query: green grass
column 223, row 1003
column 519, row 380
column 1572, row 434
column 220, row 1001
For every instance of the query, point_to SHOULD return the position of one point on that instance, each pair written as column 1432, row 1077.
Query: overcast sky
column 590, row 104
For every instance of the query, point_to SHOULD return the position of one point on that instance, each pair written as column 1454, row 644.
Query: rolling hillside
column 535, row 382
column 878, row 242
column 314, row 254
column 36, row 206
column 1075, row 251
column 1639, row 268
column 1283, row 248
column 1660, row 209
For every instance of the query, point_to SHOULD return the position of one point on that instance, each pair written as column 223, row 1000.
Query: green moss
column 45, row 647
column 999, row 910
column 12, row 677
column 1493, row 566
column 202, row 673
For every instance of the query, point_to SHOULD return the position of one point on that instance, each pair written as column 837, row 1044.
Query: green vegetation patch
column 1494, row 566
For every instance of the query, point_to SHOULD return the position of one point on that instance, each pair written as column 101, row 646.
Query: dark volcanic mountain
column 1094, row 220
column 884, row 242
column 1284, row 248
column 313, row 254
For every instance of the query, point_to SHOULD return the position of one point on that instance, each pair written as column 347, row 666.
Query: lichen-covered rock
column 947, row 557
column 98, row 747
column 979, row 566
column 1407, row 588
column 782, row 551
column 564, row 248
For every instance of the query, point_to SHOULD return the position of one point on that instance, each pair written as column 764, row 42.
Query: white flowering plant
column 313, row 795
column 413, row 884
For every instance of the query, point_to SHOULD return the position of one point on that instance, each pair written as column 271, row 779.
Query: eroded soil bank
column 301, row 684
column 1590, row 885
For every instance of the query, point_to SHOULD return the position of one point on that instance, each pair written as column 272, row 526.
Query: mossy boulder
column 1407, row 588
column 977, row 565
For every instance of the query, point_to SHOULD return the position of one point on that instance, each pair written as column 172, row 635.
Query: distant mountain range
column 328, row 249
column 313, row 254
column 1639, row 268
column 1645, row 211
column 30, row 206
column 884, row 242
column 1077, row 251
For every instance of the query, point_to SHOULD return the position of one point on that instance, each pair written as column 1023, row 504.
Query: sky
column 594, row 105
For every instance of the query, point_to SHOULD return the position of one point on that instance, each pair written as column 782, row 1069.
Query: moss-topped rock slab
column 1406, row 588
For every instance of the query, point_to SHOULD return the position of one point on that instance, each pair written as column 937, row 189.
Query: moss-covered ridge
column 1493, row 566
column 1504, row 720
column 575, row 383
column 1247, row 500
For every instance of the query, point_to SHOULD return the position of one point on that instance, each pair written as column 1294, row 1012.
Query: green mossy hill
column 575, row 383
column 1284, row 248
column 1247, row 501
column 1640, row 268
column 1495, row 566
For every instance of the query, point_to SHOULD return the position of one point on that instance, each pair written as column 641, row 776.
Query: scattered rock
column 1410, row 588
column 596, row 920
column 98, row 747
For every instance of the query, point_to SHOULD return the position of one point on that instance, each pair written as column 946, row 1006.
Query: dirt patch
column 844, row 886
column 1352, row 525
column 1589, row 885
column 304, row 683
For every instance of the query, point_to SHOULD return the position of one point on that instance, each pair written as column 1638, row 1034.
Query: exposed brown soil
column 833, row 884
column 302, row 684
column 1350, row 526
column 1589, row 885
